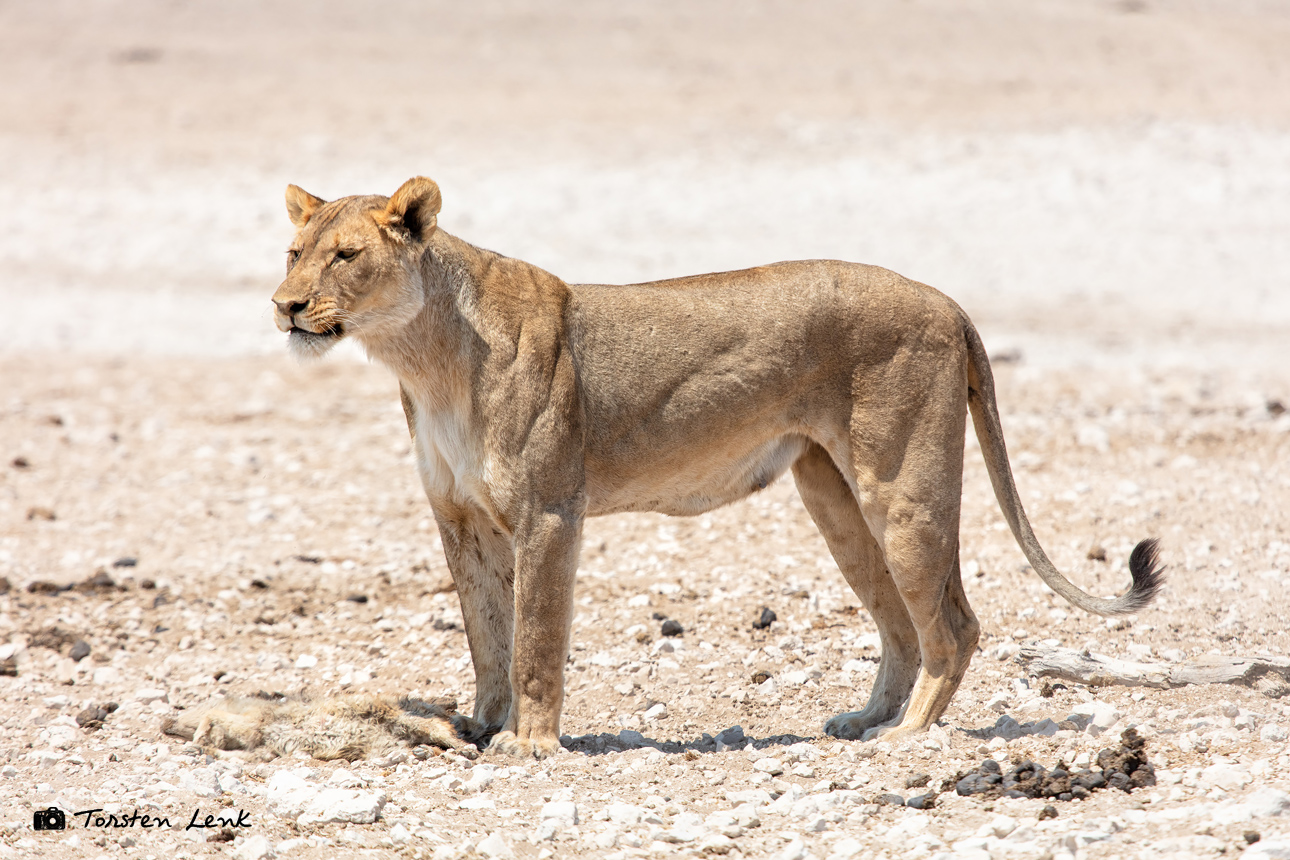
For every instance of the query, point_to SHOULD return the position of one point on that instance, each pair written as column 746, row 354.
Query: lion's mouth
column 329, row 333
column 307, row 343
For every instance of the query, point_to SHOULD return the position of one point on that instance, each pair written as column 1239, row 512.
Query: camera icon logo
column 52, row 818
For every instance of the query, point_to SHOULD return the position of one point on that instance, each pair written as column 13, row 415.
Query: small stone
column 306, row 661
column 715, row 843
column 794, row 850
column 1096, row 553
column 563, row 811
column 107, row 675
column 40, row 513
column 772, row 766
column 917, row 780
column 1251, row 836
column 765, row 619
column 126, row 561
column 254, row 848
column 845, row 849
column 1047, row 812
column 202, row 782
column 672, row 627
column 1272, row 733
column 495, row 847
column 922, row 801
column 1226, row 776
column 655, row 712
column 80, row 650
column 148, row 695
column 889, row 799
column 732, row 736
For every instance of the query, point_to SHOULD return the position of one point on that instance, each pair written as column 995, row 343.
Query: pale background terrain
column 1104, row 186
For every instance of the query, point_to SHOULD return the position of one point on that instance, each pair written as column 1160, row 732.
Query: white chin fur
column 307, row 345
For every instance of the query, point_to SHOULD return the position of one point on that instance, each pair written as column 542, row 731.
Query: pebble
column 564, row 812
column 495, row 847
column 772, row 766
column 1273, row 734
column 1226, row 776
column 254, row 848
column 293, row 797
column 202, row 782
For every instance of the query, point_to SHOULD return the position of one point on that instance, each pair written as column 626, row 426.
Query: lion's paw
column 507, row 743
column 854, row 726
column 892, row 734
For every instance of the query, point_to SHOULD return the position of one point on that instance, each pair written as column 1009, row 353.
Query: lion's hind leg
column 909, row 476
column 832, row 505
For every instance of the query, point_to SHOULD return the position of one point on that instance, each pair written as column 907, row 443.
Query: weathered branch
column 1268, row 675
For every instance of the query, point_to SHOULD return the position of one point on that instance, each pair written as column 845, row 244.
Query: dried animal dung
column 1124, row 767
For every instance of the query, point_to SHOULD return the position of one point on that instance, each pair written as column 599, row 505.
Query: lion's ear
column 413, row 208
column 301, row 205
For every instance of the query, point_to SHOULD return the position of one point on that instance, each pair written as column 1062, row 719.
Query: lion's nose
column 290, row 309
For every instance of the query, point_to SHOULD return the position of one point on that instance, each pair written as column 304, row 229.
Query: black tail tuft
column 1148, row 575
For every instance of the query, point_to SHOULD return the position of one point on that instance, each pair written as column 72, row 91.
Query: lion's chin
column 309, row 345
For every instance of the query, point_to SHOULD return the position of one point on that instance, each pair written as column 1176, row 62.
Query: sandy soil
column 1104, row 186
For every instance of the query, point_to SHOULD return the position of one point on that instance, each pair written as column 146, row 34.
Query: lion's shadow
column 605, row 743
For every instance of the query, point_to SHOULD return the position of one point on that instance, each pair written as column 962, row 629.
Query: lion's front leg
column 546, row 559
column 483, row 569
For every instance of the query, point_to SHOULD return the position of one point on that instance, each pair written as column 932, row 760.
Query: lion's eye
column 347, row 253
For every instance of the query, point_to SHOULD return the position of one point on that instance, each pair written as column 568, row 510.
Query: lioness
column 534, row 403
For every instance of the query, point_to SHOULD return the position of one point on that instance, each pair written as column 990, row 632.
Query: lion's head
column 353, row 268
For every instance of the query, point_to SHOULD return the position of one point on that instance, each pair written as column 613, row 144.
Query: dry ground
column 1104, row 186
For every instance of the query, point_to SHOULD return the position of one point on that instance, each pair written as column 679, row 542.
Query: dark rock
column 147, row 584
column 259, row 583
column 761, row 676
column 922, row 801
column 126, row 561
column 42, row 586
column 672, row 627
column 1251, row 836
column 100, row 581
column 1096, row 553
column 357, row 598
column 1047, row 812
column 80, row 650
column 889, row 800
column 224, row 834
column 20, row 463
column 917, row 780
column 658, row 616
column 91, row 719
column 5, row 585
column 732, row 736
column 767, row 618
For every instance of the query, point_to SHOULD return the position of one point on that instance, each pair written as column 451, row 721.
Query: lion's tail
column 1143, row 563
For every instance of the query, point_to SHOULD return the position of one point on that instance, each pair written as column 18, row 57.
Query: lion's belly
column 705, row 481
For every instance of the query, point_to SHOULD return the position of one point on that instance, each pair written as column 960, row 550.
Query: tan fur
column 346, row 727
column 534, row 403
